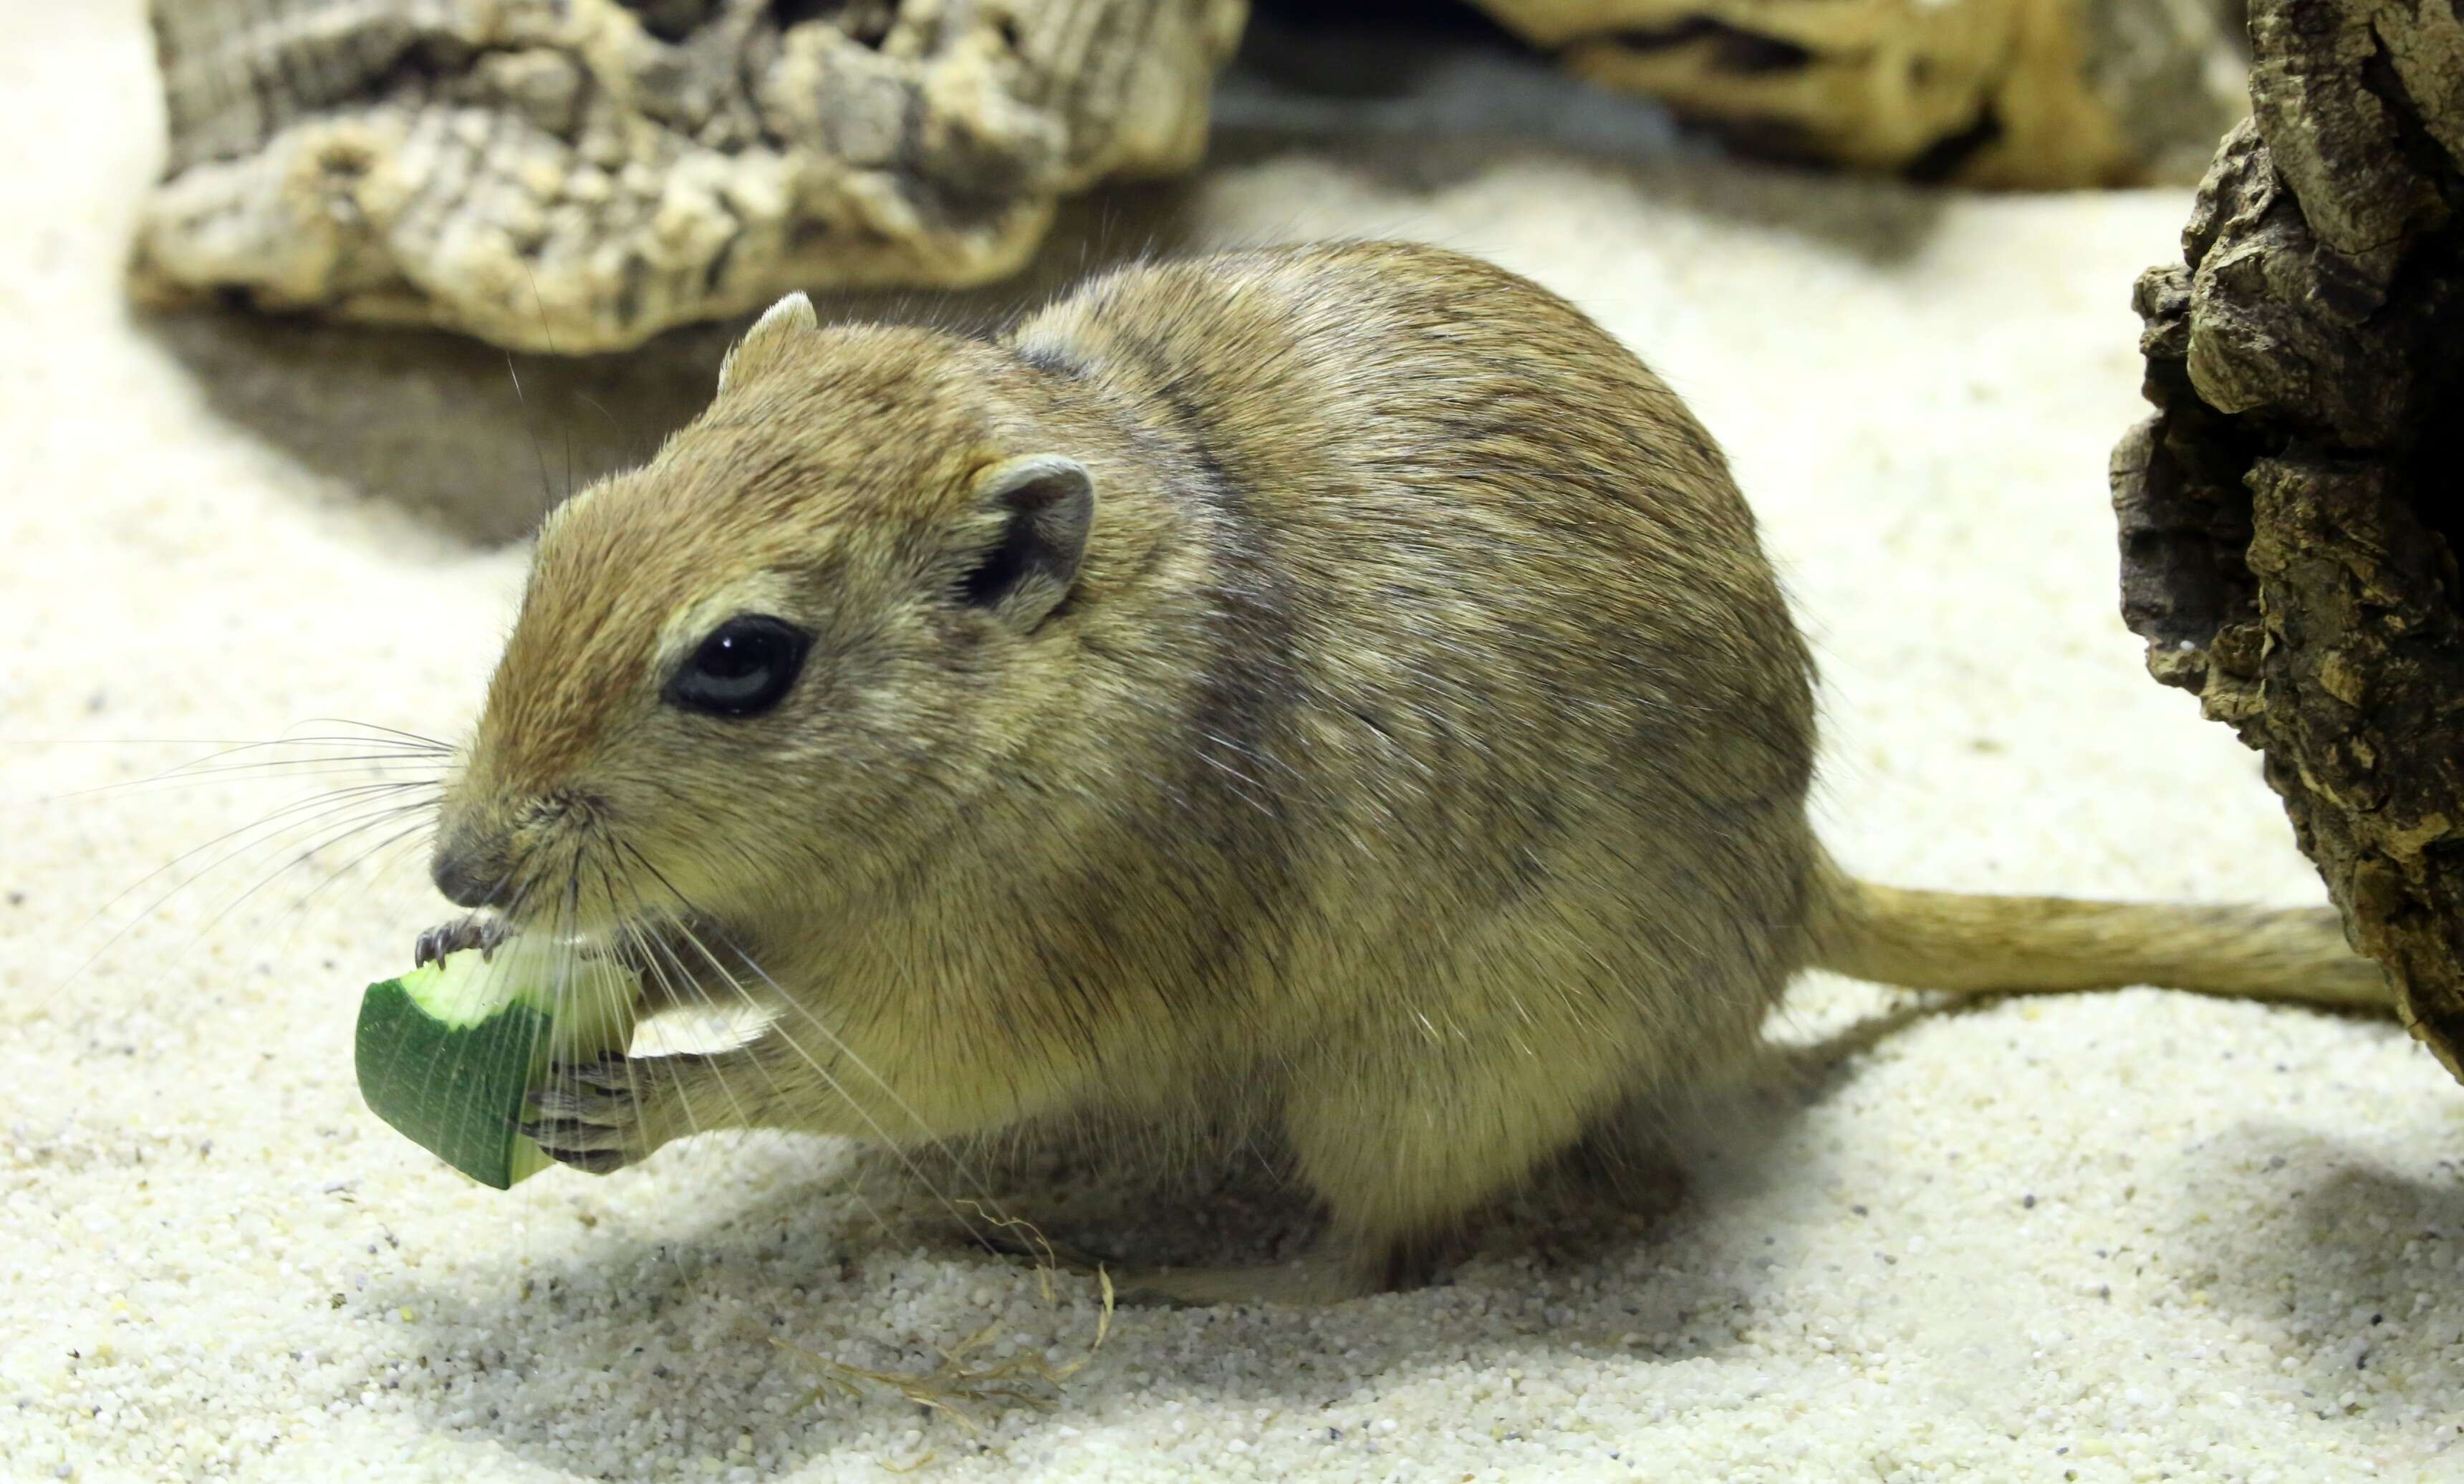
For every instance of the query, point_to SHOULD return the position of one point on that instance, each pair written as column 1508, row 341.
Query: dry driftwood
column 2000, row 93
column 579, row 174
column 2290, row 516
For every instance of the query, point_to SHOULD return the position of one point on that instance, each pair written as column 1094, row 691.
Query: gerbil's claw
column 479, row 931
column 595, row 1162
column 612, row 1074
column 428, row 948
column 590, row 1115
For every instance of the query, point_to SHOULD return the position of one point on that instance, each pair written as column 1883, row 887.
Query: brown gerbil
column 1338, row 683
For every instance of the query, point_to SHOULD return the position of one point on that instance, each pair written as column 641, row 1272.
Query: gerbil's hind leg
column 1402, row 1142
column 1328, row 1273
column 1338, row 1269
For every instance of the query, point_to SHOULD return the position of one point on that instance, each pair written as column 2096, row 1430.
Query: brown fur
column 1417, row 763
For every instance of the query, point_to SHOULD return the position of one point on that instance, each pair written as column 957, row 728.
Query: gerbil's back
column 1498, row 607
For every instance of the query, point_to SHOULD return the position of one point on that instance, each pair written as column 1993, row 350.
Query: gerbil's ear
column 778, row 327
column 1048, row 506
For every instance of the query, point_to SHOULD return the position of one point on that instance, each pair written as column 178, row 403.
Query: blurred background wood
column 2031, row 93
column 575, row 176
column 578, row 175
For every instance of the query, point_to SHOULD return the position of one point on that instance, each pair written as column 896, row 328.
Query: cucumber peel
column 448, row 1053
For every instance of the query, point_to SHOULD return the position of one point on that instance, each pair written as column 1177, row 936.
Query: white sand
column 2126, row 1237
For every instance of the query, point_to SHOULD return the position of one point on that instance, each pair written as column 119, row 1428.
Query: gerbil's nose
column 470, row 873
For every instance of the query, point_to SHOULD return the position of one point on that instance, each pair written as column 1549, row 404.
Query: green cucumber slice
column 449, row 1052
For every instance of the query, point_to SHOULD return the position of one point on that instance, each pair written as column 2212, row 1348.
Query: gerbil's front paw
column 481, row 931
column 594, row 1115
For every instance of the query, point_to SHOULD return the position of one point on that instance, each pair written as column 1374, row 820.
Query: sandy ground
column 2126, row 1237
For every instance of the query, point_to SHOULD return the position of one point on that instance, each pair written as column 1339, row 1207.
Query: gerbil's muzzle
column 472, row 871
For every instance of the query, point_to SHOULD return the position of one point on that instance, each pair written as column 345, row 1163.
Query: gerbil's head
column 789, row 650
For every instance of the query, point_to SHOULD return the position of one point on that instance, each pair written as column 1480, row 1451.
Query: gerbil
column 1341, row 683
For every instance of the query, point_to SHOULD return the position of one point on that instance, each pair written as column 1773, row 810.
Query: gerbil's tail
column 1946, row 940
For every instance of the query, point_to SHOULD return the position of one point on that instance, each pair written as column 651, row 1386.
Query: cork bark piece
column 2291, row 513
column 577, row 175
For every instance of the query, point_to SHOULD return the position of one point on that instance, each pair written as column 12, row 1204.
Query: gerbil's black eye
column 744, row 667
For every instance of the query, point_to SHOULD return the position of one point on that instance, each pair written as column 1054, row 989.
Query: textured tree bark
column 2290, row 515
column 577, row 175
